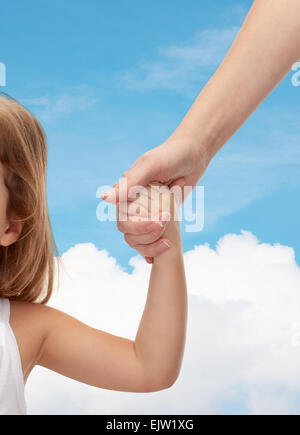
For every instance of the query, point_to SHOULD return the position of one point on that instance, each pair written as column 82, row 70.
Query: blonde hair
column 27, row 267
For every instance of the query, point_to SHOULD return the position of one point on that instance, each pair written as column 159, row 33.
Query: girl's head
column 27, row 246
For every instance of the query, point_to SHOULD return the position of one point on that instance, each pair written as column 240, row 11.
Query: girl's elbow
column 158, row 383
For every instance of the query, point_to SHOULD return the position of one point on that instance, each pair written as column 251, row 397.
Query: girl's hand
column 178, row 162
column 155, row 206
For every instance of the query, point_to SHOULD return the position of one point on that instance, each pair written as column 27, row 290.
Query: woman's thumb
column 140, row 174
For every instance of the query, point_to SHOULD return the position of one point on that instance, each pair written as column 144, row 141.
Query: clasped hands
column 176, row 163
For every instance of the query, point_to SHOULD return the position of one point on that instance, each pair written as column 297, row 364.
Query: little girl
column 33, row 334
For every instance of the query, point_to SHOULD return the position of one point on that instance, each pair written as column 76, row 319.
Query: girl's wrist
column 172, row 233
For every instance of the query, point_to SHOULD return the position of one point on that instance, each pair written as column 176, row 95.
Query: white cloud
column 181, row 68
column 244, row 300
column 51, row 108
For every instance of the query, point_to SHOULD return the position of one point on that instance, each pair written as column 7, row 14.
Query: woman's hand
column 178, row 161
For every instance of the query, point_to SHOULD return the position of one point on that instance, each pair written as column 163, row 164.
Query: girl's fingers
column 134, row 219
column 179, row 182
column 150, row 205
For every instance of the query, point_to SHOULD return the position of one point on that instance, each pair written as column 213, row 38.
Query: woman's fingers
column 132, row 226
column 154, row 249
column 145, row 238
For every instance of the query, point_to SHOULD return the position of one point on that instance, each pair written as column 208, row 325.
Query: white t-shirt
column 12, row 398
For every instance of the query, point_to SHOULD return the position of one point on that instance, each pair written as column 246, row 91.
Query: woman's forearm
column 261, row 56
column 160, row 339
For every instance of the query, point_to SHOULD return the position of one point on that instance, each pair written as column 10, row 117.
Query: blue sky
column 110, row 80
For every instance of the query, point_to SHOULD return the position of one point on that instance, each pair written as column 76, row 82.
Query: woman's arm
column 262, row 54
column 52, row 339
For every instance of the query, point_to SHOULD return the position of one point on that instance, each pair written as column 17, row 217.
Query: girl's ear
column 12, row 232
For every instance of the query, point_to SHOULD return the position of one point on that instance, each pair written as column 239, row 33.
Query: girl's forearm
column 261, row 56
column 160, row 339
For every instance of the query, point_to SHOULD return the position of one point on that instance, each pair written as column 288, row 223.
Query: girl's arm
column 161, row 336
column 54, row 340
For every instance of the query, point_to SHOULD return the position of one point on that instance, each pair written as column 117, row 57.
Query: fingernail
column 109, row 196
column 167, row 243
column 165, row 216
column 163, row 245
